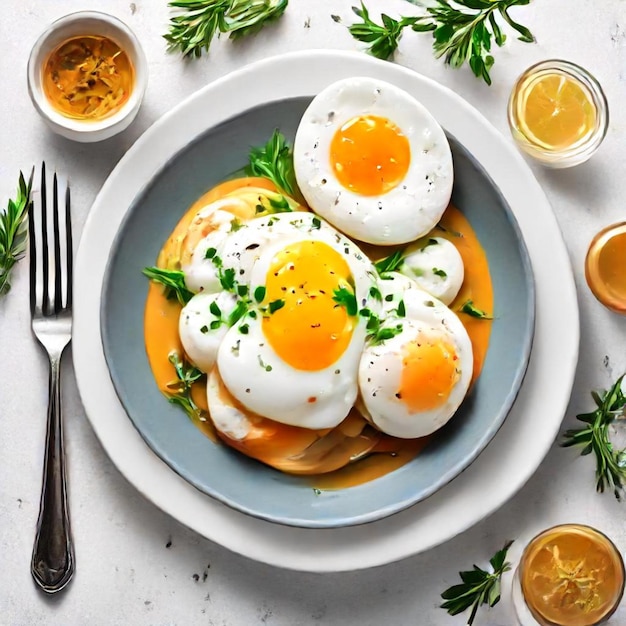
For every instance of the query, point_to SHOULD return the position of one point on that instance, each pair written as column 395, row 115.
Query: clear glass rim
column 579, row 151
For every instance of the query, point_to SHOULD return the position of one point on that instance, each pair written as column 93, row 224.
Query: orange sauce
column 88, row 77
column 390, row 453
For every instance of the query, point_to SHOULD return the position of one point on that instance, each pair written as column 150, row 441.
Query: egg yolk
column 429, row 372
column 370, row 155
column 305, row 326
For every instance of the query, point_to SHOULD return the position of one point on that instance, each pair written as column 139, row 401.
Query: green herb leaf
column 241, row 308
column 193, row 28
column 227, row 279
column 375, row 293
column 401, row 310
column 478, row 587
column 14, row 232
column 439, row 272
column 316, row 223
column 215, row 309
column 377, row 332
column 235, row 225
column 210, row 253
column 173, row 281
column 346, row 298
column 259, row 293
column 391, row 263
column 463, row 31
column 469, row 308
column 276, row 305
column 595, row 437
column 274, row 161
column 179, row 390
column 383, row 39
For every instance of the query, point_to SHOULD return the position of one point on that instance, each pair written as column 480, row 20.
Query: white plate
column 498, row 473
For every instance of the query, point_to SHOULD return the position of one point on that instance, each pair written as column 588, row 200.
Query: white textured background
column 134, row 564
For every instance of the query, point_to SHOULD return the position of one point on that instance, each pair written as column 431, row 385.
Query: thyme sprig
column 14, row 232
column 199, row 21
column 595, row 437
column 479, row 586
column 463, row 31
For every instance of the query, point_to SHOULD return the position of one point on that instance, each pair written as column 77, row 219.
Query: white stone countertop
column 135, row 565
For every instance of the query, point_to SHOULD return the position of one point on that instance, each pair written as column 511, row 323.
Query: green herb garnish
column 595, row 437
column 276, row 305
column 274, row 161
column 14, row 232
column 173, row 281
column 401, row 310
column 179, row 390
column 377, row 333
column 469, row 308
column 375, row 293
column 199, row 21
column 391, row 263
column 346, row 298
column 478, row 587
column 439, row 272
column 463, row 31
column 259, row 293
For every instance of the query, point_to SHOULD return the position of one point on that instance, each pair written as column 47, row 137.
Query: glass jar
column 605, row 267
column 558, row 113
column 568, row 575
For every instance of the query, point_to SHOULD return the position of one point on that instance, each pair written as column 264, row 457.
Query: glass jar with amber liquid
column 558, row 113
column 569, row 575
column 605, row 267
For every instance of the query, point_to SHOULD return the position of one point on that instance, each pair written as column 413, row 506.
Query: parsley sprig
column 192, row 30
column 14, row 232
column 595, row 437
column 463, row 31
column 478, row 587
column 274, row 161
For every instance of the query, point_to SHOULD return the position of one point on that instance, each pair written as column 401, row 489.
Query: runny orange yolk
column 311, row 330
column 429, row 372
column 370, row 155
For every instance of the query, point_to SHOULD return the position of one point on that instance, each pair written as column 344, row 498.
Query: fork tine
column 69, row 246
column 38, row 249
column 46, row 252
column 58, row 270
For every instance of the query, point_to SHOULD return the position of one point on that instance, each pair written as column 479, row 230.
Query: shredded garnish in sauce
column 88, row 77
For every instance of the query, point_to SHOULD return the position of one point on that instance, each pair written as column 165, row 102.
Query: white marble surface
column 137, row 566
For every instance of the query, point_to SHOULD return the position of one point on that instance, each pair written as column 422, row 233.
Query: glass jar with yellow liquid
column 558, row 113
column 568, row 575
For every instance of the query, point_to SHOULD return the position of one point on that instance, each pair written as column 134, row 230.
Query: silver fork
column 50, row 237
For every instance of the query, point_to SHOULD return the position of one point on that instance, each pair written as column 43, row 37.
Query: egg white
column 380, row 368
column 436, row 265
column 402, row 214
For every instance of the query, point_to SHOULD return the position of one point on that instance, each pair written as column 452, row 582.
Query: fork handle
column 52, row 564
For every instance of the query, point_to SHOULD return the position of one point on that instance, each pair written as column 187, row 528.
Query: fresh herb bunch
column 193, row 29
column 463, row 31
column 595, row 437
column 478, row 587
column 274, row 161
column 14, row 232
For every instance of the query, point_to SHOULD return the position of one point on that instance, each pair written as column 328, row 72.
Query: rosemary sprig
column 274, row 161
column 14, row 232
column 478, row 587
column 383, row 38
column 594, row 437
column 193, row 29
column 180, row 389
column 173, row 281
column 463, row 31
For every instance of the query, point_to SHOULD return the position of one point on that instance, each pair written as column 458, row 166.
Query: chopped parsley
column 391, row 263
column 439, row 272
column 173, row 281
column 346, row 298
column 473, row 311
column 276, row 305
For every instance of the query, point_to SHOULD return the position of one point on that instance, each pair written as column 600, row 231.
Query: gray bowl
column 245, row 484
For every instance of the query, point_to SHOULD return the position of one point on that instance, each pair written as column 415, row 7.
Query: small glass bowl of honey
column 87, row 74
column 558, row 113
column 568, row 575
column 605, row 267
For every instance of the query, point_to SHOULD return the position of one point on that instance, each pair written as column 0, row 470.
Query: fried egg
column 436, row 266
column 373, row 161
column 412, row 383
column 294, row 356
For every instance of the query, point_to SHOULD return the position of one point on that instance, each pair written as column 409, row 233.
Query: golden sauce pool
column 161, row 338
column 88, row 78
